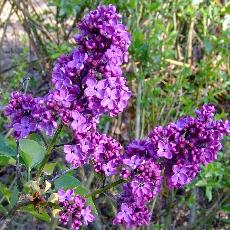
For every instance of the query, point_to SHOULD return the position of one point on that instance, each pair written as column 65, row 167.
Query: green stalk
column 49, row 150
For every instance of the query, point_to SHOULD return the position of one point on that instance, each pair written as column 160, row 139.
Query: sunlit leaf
column 66, row 181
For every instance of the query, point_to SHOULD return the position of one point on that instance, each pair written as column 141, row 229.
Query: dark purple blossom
column 75, row 213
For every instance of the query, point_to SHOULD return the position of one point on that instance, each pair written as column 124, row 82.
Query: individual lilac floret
column 25, row 127
column 75, row 156
column 75, row 213
column 65, row 196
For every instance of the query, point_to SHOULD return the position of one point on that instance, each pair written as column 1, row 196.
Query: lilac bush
column 89, row 82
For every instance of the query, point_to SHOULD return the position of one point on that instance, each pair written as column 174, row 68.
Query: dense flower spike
column 91, row 74
column 75, row 213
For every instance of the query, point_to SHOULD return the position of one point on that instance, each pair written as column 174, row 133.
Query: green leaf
column 6, row 160
column 5, row 149
column 201, row 183
column 49, row 168
column 14, row 196
column 3, row 210
column 5, row 191
column 32, row 152
column 208, row 193
column 66, row 181
column 40, row 215
column 82, row 191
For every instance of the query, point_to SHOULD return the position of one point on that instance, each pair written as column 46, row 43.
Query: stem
column 18, row 168
column 63, row 144
column 49, row 150
column 193, row 208
column 28, row 174
column 168, row 211
column 107, row 187
column 90, row 180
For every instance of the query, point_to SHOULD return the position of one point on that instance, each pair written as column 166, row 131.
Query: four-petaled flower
column 25, row 127
column 180, row 175
column 65, row 196
column 87, row 215
column 78, row 60
column 95, row 88
column 164, row 150
column 125, row 213
column 109, row 99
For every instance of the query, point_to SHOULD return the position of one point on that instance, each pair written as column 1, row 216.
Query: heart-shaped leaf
column 32, row 152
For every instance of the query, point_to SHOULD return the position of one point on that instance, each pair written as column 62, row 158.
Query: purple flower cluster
column 175, row 152
column 144, row 176
column 107, row 155
column 88, row 82
column 28, row 115
column 189, row 143
column 75, row 213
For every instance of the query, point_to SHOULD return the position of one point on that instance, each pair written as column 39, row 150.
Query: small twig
column 90, row 180
column 63, row 144
column 62, row 173
column 179, row 63
column 179, row 55
column 24, row 84
column 168, row 225
column 190, row 39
